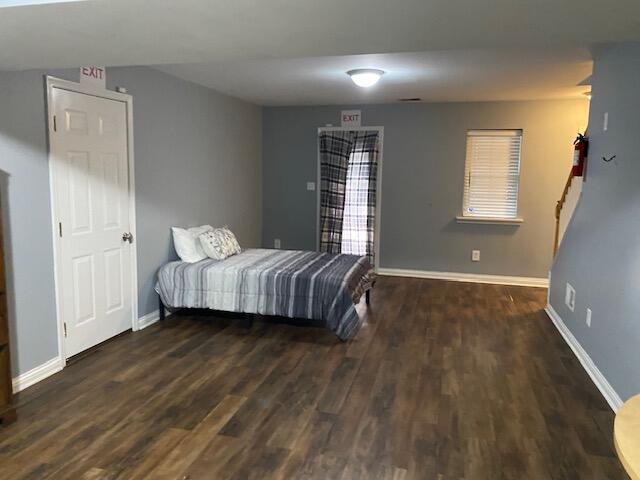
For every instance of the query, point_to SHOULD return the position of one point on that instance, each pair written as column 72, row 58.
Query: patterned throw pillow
column 219, row 243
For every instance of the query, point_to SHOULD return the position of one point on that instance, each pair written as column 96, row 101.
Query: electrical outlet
column 475, row 255
column 570, row 297
column 276, row 243
column 311, row 186
column 605, row 122
column 588, row 319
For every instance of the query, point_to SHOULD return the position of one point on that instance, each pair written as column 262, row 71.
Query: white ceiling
column 460, row 75
column 276, row 39
column 144, row 32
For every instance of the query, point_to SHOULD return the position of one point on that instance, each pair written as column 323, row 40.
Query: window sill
column 489, row 220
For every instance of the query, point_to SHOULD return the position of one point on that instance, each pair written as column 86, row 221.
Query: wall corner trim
column 467, row 277
column 37, row 374
column 607, row 391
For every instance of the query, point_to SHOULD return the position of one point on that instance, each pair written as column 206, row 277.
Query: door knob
column 127, row 237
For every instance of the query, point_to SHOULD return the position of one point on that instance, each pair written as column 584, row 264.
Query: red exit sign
column 96, row 76
column 351, row 118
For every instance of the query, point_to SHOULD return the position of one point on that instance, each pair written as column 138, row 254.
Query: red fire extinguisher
column 581, row 147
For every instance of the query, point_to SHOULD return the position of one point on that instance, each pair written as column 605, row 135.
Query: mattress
column 291, row 283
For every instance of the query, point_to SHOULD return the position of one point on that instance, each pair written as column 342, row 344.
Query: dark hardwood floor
column 444, row 381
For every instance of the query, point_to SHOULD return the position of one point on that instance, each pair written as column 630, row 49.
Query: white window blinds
column 492, row 172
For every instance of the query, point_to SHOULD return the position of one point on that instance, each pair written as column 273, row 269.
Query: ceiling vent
column 412, row 99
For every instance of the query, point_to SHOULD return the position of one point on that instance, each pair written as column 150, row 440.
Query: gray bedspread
column 295, row 284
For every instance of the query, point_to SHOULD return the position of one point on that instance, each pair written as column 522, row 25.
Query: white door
column 91, row 192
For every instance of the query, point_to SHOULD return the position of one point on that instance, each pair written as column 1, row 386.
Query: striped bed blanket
column 295, row 284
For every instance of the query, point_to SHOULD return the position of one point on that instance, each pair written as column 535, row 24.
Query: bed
column 290, row 283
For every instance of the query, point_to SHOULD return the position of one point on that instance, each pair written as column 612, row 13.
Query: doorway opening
column 349, row 176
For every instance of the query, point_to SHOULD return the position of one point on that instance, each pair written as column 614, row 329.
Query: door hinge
column 65, row 329
column 55, row 124
column 60, row 229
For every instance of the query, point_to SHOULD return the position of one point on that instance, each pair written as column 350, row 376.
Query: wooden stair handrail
column 559, row 205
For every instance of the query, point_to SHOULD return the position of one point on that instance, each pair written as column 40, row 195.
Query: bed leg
column 367, row 298
column 160, row 308
column 247, row 320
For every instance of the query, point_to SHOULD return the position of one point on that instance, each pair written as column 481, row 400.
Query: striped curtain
column 348, row 179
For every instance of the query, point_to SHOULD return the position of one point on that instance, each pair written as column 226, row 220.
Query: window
column 491, row 174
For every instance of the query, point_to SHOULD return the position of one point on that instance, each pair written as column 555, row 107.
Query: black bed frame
column 248, row 317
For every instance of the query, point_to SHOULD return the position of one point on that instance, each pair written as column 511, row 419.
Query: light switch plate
column 605, row 122
column 588, row 319
column 311, row 186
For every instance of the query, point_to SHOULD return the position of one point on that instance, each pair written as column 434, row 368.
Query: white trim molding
column 608, row 392
column 37, row 374
column 149, row 319
column 467, row 277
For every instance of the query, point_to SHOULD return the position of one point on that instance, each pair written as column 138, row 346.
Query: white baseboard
column 37, row 374
column 467, row 277
column 610, row 395
column 148, row 319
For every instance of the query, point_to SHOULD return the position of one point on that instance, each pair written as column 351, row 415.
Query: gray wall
column 27, row 221
column 198, row 160
column 422, row 180
column 600, row 253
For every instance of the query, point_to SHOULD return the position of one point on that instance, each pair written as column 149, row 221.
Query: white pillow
column 187, row 244
column 219, row 243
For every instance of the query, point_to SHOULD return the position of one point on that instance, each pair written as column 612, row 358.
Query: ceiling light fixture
column 365, row 77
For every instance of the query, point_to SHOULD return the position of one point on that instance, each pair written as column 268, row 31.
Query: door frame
column 52, row 83
column 376, row 232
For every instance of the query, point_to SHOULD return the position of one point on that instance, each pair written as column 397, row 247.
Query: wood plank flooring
column 444, row 381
